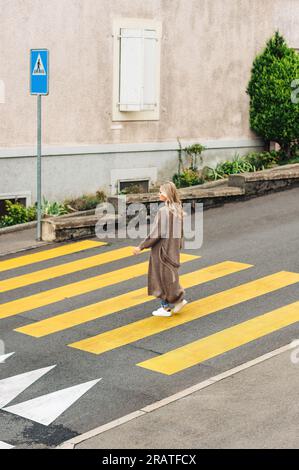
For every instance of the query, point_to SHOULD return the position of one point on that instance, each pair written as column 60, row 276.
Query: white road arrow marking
column 46, row 408
column 12, row 387
column 3, row 445
column 4, row 357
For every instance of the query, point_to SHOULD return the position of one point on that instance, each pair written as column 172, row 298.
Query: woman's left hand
column 136, row 250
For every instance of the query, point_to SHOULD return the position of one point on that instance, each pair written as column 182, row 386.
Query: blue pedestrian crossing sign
column 39, row 71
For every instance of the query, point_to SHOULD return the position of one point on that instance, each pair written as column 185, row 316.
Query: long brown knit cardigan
column 165, row 240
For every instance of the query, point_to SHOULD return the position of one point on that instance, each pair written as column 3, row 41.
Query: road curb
column 18, row 227
column 31, row 247
column 71, row 443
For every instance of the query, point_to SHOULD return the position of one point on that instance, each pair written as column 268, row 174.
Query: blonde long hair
column 173, row 199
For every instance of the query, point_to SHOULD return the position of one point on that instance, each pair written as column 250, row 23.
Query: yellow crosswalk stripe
column 66, row 268
column 48, row 254
column 149, row 326
column 223, row 341
column 68, row 291
column 124, row 301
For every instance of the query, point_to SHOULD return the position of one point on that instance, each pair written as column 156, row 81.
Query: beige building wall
column 206, row 52
column 207, row 49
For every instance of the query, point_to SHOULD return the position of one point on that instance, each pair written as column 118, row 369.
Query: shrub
column 273, row 114
column 188, row 177
column 86, row 202
column 31, row 213
column 53, row 208
column 262, row 160
column 253, row 161
column 229, row 167
column 194, row 151
column 17, row 214
column 292, row 160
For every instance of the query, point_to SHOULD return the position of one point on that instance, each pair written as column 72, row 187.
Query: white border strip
column 4, row 445
column 13, row 152
column 70, row 444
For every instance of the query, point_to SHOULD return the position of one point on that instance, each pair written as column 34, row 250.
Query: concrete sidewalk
column 253, row 406
column 13, row 242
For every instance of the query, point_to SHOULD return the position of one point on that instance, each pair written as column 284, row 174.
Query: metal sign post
column 39, row 85
column 39, row 166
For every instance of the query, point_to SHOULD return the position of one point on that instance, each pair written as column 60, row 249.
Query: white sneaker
column 161, row 312
column 178, row 307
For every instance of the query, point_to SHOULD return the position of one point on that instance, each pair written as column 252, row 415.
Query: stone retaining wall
column 235, row 188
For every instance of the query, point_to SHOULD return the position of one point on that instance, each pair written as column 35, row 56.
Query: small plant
column 101, row 196
column 188, row 177
column 17, row 214
column 86, row 202
column 254, row 161
column 194, row 151
column 292, row 160
column 53, row 208
column 212, row 174
column 263, row 160
column 222, row 170
column 31, row 213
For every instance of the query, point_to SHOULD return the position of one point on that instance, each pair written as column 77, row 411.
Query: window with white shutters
column 136, row 69
column 138, row 61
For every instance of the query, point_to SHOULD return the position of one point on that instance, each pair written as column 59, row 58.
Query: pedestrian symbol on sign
column 39, row 68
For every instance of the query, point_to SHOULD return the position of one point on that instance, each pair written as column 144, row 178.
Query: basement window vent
column 133, row 186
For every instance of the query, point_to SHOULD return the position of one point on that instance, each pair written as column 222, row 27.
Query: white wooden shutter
column 138, row 61
column 150, row 69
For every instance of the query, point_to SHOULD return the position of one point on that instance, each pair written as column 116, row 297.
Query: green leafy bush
column 17, row 214
column 194, row 151
column 292, row 160
column 188, row 177
column 53, row 208
column 253, row 161
column 31, row 213
column 263, row 160
column 222, row 170
column 273, row 114
column 188, row 173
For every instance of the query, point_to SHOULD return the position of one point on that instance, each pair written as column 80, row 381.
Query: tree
column 274, row 115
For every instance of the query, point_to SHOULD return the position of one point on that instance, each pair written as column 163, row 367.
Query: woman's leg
column 164, row 310
column 165, row 304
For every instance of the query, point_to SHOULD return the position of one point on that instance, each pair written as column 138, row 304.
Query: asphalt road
column 261, row 232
